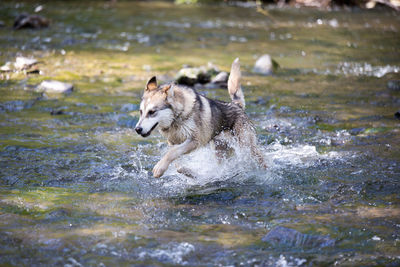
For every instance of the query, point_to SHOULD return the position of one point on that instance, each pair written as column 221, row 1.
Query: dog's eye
column 151, row 112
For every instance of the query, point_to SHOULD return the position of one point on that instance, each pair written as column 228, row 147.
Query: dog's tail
column 235, row 91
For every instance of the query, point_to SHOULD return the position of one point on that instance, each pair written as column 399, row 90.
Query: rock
column 393, row 85
column 129, row 107
column 190, row 76
column 203, row 77
column 265, row 65
column 221, row 77
column 187, row 76
column 287, row 237
column 23, row 63
column 397, row 115
column 25, row 20
column 52, row 86
column 6, row 67
column 2, row 23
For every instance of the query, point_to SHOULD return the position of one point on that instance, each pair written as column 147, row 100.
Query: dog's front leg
column 173, row 153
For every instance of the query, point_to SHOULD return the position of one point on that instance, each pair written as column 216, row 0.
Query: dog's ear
column 168, row 90
column 151, row 84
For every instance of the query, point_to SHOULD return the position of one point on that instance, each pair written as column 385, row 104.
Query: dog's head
column 155, row 110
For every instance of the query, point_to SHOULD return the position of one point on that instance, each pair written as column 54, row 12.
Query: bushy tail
column 235, row 91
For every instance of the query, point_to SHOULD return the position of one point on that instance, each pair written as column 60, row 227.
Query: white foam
column 172, row 253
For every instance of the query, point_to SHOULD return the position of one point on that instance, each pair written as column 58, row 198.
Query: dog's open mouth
column 149, row 132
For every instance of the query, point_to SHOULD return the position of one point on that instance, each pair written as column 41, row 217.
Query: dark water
column 76, row 188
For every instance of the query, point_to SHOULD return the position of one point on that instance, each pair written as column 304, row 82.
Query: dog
column 189, row 120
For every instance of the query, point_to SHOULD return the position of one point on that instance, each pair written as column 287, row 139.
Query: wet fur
column 189, row 120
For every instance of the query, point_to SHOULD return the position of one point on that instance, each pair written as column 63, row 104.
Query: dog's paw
column 159, row 169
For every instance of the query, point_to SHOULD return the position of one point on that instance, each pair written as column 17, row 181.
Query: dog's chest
column 178, row 134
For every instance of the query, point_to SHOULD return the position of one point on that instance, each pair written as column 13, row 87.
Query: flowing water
column 76, row 187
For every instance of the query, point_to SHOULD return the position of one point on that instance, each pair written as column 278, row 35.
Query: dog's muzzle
column 139, row 130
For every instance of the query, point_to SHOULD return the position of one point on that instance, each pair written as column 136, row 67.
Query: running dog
column 189, row 120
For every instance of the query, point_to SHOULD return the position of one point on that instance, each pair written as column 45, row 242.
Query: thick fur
column 189, row 120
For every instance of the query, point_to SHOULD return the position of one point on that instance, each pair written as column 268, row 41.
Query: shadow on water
column 75, row 180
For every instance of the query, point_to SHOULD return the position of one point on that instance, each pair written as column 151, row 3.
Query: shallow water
column 77, row 188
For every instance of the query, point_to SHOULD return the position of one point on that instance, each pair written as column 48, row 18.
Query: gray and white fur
column 189, row 120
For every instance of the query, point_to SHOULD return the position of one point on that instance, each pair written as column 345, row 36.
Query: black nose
column 139, row 129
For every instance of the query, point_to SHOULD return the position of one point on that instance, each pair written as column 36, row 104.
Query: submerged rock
column 265, row 65
column 394, row 85
column 287, row 237
column 127, row 121
column 16, row 105
column 25, row 20
column 356, row 131
column 52, row 86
